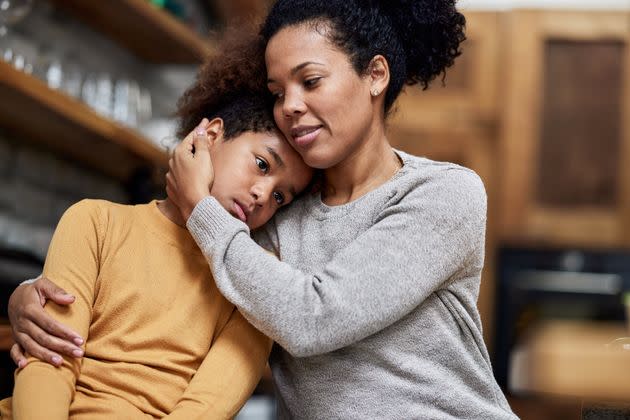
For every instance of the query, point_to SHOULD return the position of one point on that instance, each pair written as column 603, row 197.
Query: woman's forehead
column 297, row 43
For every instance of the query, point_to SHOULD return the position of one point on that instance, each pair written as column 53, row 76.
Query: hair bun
column 430, row 32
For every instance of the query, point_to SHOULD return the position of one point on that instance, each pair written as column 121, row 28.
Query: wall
column 545, row 4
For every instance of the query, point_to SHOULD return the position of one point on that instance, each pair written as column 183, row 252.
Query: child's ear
column 215, row 130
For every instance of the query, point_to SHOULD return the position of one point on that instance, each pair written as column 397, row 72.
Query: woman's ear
column 215, row 130
column 379, row 75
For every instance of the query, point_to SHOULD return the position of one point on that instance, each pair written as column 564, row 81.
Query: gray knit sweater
column 373, row 304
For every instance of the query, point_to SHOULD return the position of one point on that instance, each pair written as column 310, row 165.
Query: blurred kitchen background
column 538, row 105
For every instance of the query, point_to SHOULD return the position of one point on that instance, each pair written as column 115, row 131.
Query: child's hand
column 190, row 174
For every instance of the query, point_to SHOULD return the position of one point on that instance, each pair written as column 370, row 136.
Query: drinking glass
column 11, row 12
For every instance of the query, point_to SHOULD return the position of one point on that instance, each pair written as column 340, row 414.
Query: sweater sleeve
column 416, row 245
column 228, row 375
column 42, row 390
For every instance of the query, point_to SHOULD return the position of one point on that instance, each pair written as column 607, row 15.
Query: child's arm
column 42, row 390
column 228, row 374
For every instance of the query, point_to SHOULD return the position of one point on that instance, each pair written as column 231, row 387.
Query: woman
column 373, row 304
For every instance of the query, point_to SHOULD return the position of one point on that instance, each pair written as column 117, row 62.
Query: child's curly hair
column 230, row 84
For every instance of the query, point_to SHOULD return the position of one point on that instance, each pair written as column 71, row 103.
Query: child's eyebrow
column 275, row 156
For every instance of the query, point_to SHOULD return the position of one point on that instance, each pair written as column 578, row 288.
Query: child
column 161, row 340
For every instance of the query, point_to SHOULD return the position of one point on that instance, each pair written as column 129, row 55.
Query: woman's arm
column 431, row 235
column 42, row 390
column 228, row 374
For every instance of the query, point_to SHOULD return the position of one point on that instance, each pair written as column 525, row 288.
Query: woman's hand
column 37, row 332
column 190, row 174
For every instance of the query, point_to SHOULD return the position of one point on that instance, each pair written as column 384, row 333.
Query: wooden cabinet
column 565, row 143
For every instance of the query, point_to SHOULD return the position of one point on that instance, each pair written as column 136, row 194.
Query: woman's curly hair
column 230, row 84
column 419, row 38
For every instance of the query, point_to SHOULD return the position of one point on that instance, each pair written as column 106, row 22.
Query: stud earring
column 375, row 92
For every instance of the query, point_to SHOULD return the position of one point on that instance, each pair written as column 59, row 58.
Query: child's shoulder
column 97, row 211
column 91, row 206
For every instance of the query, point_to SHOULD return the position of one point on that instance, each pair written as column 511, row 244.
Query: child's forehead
column 272, row 139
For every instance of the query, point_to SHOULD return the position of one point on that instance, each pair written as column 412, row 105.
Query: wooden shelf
column 32, row 112
column 150, row 33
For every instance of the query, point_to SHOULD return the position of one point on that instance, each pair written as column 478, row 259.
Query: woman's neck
column 171, row 212
column 367, row 168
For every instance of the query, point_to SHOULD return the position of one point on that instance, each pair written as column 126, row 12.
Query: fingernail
column 21, row 363
column 78, row 341
column 77, row 352
column 200, row 132
column 56, row 360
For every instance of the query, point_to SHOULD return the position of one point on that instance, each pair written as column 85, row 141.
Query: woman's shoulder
column 444, row 187
column 422, row 172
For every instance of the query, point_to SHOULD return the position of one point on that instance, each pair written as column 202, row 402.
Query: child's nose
column 261, row 192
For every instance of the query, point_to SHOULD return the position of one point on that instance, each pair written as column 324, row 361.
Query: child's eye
column 262, row 165
column 279, row 197
column 277, row 95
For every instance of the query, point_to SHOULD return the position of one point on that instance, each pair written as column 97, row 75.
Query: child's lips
column 240, row 213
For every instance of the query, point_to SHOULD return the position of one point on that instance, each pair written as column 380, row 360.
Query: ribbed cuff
column 209, row 221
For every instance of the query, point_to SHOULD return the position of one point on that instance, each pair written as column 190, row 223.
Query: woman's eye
column 311, row 82
column 277, row 95
column 278, row 197
column 262, row 165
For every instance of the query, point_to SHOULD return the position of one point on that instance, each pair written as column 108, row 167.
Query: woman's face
column 322, row 105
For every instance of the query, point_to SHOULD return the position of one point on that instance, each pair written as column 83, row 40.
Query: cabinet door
column 565, row 144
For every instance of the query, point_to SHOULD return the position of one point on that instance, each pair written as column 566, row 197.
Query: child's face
column 255, row 174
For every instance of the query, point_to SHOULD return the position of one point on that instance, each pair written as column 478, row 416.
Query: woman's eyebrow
column 298, row 68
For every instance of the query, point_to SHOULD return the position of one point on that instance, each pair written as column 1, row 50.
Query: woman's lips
column 305, row 137
column 240, row 213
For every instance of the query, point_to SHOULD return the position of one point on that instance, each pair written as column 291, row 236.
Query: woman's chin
column 316, row 160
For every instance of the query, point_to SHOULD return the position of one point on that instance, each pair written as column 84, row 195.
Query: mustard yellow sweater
column 161, row 340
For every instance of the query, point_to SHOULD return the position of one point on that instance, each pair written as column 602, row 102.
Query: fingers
column 185, row 147
column 50, row 327
column 41, row 344
column 200, row 140
column 17, row 355
column 37, row 351
column 49, row 290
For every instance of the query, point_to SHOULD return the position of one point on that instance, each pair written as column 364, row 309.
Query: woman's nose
column 293, row 104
